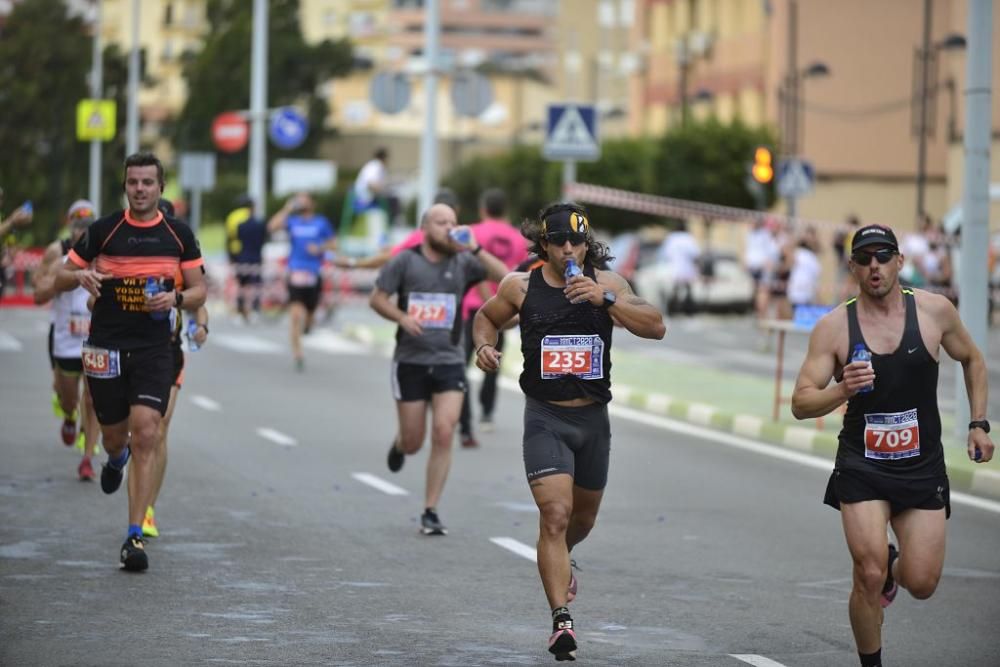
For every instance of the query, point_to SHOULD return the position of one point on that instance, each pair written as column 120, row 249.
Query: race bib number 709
column 892, row 435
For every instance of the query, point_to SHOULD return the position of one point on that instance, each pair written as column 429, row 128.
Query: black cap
column 873, row 235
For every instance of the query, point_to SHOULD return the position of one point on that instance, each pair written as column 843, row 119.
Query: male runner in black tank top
column 890, row 464
column 566, row 342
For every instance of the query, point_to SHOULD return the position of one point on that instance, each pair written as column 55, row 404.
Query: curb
column 985, row 483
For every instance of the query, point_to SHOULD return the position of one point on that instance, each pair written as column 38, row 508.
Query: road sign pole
column 132, row 118
column 792, row 203
column 195, row 210
column 568, row 176
column 256, row 183
column 96, row 92
column 429, row 140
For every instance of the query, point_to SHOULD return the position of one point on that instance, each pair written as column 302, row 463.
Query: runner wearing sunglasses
column 890, row 467
column 566, row 343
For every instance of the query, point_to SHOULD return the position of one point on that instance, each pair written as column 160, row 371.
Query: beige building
column 856, row 124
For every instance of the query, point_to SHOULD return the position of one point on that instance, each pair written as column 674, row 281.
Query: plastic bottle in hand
column 861, row 353
column 152, row 289
column 192, row 328
column 461, row 235
column 28, row 207
column 572, row 269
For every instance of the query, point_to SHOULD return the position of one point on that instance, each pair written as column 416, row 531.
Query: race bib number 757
column 892, row 435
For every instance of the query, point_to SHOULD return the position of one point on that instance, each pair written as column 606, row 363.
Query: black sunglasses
column 862, row 258
column 560, row 238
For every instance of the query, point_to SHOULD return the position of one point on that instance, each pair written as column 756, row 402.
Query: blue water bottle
column 28, row 207
column 192, row 343
column 152, row 289
column 461, row 235
column 572, row 269
column 861, row 353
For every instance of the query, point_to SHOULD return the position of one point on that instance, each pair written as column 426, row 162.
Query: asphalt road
column 276, row 549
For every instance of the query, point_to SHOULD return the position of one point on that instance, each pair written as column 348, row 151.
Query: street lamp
column 925, row 59
column 791, row 105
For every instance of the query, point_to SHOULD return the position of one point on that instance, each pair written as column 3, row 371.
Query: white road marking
column 331, row 343
column 521, row 549
column 247, row 343
column 277, row 437
column 205, row 403
column 380, row 484
column 757, row 660
column 8, row 343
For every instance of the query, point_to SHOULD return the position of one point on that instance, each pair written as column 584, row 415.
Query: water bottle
column 572, row 269
column 192, row 343
column 461, row 235
column 27, row 207
column 861, row 353
column 152, row 289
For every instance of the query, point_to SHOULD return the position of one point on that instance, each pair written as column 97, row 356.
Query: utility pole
column 792, row 94
column 925, row 56
column 972, row 280
column 428, row 141
column 256, row 177
column 96, row 92
column 132, row 119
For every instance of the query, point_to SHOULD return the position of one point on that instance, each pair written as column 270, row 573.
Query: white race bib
column 582, row 356
column 434, row 310
column 302, row 279
column 100, row 363
column 892, row 435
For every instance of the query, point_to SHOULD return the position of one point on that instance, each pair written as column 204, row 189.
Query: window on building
column 168, row 14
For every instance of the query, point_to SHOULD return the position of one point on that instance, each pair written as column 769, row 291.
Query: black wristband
column 178, row 298
column 204, row 326
column 478, row 250
column 483, row 345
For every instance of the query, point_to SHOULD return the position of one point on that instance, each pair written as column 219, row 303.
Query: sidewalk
column 736, row 403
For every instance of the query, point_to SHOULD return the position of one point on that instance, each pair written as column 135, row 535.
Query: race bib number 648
column 892, row 435
column 582, row 356
column 100, row 363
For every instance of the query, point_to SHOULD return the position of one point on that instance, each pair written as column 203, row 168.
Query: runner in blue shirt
column 310, row 236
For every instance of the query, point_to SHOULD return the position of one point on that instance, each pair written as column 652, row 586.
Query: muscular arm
column 44, row 279
column 195, row 290
column 631, row 311
column 493, row 316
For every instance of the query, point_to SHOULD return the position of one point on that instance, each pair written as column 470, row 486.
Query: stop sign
column 230, row 132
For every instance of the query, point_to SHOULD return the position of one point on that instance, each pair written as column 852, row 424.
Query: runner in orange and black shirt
column 127, row 358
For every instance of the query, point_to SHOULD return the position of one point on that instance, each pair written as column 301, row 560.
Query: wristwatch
column 980, row 423
column 610, row 298
column 178, row 299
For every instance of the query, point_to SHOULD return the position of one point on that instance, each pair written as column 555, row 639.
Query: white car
column 723, row 285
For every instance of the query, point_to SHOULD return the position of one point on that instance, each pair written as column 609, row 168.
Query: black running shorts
column 178, row 375
column 68, row 365
column 418, row 382
column 307, row 296
column 855, row 486
column 139, row 377
column 564, row 440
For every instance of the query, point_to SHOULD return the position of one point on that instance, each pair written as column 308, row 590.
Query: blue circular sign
column 288, row 128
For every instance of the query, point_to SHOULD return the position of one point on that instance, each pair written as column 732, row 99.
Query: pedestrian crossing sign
column 95, row 120
column 572, row 133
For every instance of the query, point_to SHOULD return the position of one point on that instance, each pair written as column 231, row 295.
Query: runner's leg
column 554, row 497
column 921, row 535
column 445, row 409
column 144, row 423
column 865, row 530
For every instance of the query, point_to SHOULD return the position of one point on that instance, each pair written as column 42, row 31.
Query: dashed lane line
column 756, row 660
column 277, row 437
column 519, row 548
column 380, row 484
column 205, row 403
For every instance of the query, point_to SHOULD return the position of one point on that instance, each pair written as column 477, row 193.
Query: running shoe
column 396, row 458
column 890, row 588
column 111, row 476
column 430, row 524
column 149, row 528
column 85, row 470
column 562, row 643
column 486, row 423
column 469, row 441
column 133, row 556
column 68, row 432
column 573, row 583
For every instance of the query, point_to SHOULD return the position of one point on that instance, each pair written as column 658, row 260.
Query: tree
column 45, row 55
column 709, row 162
column 218, row 77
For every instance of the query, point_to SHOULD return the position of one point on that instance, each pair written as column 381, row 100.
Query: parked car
column 724, row 285
column 631, row 251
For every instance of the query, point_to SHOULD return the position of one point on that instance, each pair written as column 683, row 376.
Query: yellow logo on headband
column 577, row 222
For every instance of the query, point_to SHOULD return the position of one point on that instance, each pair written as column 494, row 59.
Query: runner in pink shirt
column 504, row 241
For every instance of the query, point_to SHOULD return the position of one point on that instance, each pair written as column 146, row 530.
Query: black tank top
column 65, row 244
column 895, row 429
column 566, row 346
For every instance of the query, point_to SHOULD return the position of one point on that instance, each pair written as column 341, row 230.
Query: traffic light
column 763, row 165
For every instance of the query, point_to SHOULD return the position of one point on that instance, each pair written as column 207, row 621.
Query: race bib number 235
column 582, row 356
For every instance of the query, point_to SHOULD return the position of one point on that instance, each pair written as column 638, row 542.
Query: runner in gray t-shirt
column 428, row 368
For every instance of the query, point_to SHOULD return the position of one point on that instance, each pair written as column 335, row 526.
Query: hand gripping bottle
column 192, row 343
column 152, row 289
column 572, row 269
column 861, row 353
column 461, row 235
